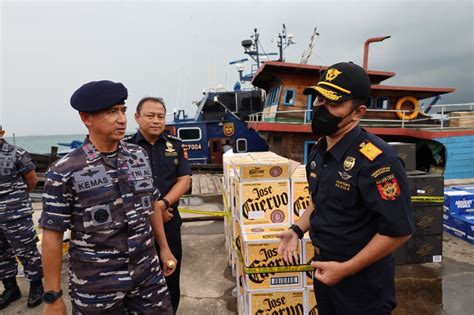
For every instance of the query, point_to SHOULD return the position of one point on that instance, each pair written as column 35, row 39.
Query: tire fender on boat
column 404, row 115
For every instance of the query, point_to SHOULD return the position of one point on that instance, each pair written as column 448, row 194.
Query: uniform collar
column 139, row 137
column 343, row 145
column 92, row 153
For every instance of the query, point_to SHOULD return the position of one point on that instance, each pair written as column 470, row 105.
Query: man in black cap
column 17, row 232
column 361, row 209
column 104, row 193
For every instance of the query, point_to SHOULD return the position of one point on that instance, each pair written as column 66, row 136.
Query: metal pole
column 442, row 117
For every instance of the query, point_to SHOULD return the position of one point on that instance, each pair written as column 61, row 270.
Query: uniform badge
column 313, row 175
column 169, row 147
column 312, row 165
column 388, row 189
column 344, row 175
column 369, row 150
column 349, row 163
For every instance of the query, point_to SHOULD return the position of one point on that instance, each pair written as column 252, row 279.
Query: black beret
column 342, row 81
column 98, row 95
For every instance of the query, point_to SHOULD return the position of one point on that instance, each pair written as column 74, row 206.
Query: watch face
column 51, row 296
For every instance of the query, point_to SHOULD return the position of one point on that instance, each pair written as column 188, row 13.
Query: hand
column 165, row 256
column 167, row 214
column 329, row 272
column 57, row 308
column 288, row 247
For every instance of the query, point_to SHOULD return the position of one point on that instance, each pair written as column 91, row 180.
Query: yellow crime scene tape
column 203, row 212
column 272, row 269
column 438, row 199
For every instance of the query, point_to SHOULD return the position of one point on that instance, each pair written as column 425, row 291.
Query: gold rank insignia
column 332, row 74
column 169, row 147
column 370, row 151
column 349, row 163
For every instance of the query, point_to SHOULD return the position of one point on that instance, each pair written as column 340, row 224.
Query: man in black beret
column 104, row 193
column 361, row 211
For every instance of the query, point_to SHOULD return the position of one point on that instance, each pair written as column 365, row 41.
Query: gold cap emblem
column 331, row 74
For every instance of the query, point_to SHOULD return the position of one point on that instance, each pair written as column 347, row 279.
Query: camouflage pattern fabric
column 17, row 234
column 106, row 202
column 149, row 297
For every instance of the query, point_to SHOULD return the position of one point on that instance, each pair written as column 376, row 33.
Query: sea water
column 43, row 144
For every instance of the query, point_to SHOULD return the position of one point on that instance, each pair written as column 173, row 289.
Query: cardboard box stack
column 260, row 197
column 426, row 191
column 458, row 216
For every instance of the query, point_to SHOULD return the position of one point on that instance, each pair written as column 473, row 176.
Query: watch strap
column 166, row 202
column 295, row 228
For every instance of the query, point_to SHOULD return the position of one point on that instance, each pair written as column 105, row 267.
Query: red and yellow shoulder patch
column 369, row 150
column 388, row 188
column 185, row 154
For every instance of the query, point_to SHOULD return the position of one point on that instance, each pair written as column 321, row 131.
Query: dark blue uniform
column 359, row 188
column 168, row 161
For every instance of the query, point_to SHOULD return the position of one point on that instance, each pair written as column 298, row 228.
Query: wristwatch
column 297, row 230
column 166, row 202
column 51, row 296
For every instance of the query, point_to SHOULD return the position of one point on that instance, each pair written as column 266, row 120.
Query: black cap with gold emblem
column 342, row 81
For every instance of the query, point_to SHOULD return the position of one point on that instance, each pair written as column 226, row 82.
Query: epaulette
column 127, row 138
column 369, row 150
column 173, row 137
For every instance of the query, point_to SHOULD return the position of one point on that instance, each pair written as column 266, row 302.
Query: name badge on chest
column 91, row 178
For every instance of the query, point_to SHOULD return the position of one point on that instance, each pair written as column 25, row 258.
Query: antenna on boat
column 307, row 53
column 284, row 41
column 366, row 49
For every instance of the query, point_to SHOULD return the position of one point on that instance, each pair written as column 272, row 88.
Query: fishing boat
column 443, row 134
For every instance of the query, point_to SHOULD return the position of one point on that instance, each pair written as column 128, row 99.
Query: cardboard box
column 459, row 201
column 308, row 254
column 424, row 248
column 263, row 166
column 311, row 305
column 407, row 152
column 462, row 226
column 276, row 302
column 425, row 184
column 300, row 194
column 259, row 246
column 263, row 202
column 428, row 218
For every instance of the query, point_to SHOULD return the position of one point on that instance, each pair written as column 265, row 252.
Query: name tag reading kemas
column 91, row 178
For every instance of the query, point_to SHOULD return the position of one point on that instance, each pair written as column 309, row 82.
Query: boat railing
column 441, row 118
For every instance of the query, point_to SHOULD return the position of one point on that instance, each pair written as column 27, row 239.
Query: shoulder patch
column 369, row 150
column 173, row 137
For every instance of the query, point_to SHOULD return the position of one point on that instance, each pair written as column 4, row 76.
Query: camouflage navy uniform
column 106, row 201
column 17, row 233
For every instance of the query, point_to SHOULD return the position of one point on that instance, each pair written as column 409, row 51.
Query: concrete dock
column 206, row 281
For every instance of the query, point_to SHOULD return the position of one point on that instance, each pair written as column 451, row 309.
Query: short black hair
column 152, row 99
column 357, row 102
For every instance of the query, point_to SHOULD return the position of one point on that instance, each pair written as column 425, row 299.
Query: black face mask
column 324, row 123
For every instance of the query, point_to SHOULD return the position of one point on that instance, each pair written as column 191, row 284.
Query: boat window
column 382, row 103
column 241, row 145
column 273, row 96
column 189, row 134
column 289, row 98
column 369, row 102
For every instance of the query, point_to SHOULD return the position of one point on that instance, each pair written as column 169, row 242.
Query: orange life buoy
column 404, row 115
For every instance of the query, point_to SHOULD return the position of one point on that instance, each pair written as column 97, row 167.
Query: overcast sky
column 177, row 49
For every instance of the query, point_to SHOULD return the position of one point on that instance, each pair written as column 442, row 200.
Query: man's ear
column 86, row 118
column 360, row 111
column 136, row 117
